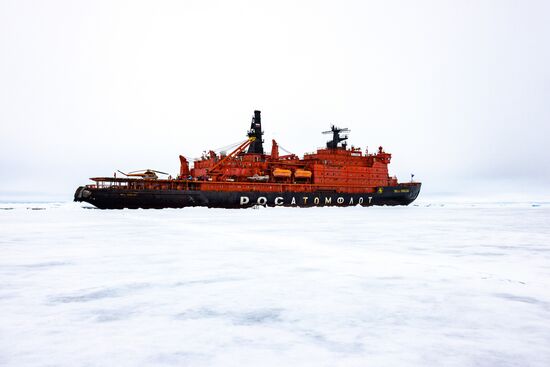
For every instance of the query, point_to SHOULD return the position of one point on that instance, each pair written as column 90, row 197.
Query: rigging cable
column 228, row 147
column 284, row 150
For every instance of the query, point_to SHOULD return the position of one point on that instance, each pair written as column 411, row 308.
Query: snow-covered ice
column 426, row 285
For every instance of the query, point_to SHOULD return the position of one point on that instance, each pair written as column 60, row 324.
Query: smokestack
column 256, row 131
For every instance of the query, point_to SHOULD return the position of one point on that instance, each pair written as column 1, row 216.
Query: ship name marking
column 279, row 200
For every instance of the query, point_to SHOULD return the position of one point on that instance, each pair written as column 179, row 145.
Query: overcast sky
column 458, row 91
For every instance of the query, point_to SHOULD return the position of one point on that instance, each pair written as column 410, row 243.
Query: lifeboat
column 279, row 172
column 300, row 173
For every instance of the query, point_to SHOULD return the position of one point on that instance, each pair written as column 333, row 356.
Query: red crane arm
column 233, row 154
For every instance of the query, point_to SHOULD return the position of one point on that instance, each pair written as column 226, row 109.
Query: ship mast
column 336, row 138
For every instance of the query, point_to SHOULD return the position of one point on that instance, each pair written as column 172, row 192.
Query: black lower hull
column 112, row 198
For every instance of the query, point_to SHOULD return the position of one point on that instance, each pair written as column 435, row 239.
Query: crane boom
column 233, row 154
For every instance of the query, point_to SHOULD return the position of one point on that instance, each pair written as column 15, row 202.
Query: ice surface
column 430, row 285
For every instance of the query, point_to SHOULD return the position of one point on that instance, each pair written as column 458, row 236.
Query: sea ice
column 440, row 285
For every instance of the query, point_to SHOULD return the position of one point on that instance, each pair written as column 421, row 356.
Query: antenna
column 336, row 138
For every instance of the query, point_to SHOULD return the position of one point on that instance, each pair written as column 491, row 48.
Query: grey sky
column 458, row 91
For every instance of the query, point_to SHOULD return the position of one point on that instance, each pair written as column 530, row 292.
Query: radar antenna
column 336, row 138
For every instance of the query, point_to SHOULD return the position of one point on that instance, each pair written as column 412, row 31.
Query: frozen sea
column 436, row 284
